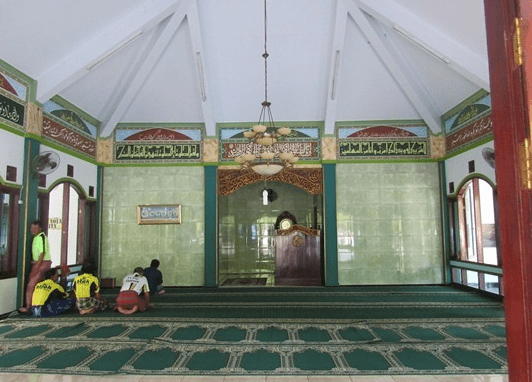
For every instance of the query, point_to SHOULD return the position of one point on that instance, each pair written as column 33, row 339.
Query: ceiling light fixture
column 265, row 134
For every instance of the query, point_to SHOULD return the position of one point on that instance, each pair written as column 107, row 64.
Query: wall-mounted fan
column 45, row 163
column 489, row 156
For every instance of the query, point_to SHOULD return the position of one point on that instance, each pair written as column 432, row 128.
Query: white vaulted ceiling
column 201, row 60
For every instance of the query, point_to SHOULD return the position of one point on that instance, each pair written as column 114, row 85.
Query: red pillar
column 510, row 89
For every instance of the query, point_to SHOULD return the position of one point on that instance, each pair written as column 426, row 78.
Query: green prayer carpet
column 270, row 331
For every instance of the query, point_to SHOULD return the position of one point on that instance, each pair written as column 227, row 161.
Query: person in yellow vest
column 87, row 289
column 49, row 298
column 40, row 250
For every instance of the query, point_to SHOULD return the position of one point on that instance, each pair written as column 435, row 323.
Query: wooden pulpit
column 297, row 256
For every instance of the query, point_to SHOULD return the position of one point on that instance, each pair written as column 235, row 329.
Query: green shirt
column 40, row 245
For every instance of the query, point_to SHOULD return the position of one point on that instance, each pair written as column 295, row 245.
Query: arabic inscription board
column 383, row 148
column 156, row 152
column 11, row 111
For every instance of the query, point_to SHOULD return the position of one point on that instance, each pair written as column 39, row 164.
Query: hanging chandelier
column 265, row 134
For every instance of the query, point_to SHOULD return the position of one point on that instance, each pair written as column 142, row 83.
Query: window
column 474, row 240
column 8, row 231
column 476, row 206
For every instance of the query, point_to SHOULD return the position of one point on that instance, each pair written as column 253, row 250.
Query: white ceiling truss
column 190, row 61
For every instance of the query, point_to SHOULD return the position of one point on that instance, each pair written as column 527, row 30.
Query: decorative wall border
column 13, row 106
column 382, row 140
column 304, row 141
column 158, row 144
column 308, row 179
column 56, row 131
column 468, row 123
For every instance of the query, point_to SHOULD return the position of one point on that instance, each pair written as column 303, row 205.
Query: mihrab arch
column 308, row 179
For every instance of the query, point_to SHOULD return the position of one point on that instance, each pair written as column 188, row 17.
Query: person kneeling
column 87, row 289
column 135, row 294
column 49, row 298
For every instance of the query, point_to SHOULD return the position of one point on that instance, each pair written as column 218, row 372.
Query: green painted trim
column 317, row 124
column 328, row 135
column 143, row 125
column 12, row 130
column 398, row 160
column 193, row 164
column 331, row 232
column 69, row 105
column 9, row 184
column 387, row 122
column 30, row 82
column 480, row 142
column 484, row 268
column 445, row 222
column 97, row 218
column 469, row 100
column 28, row 212
column 211, row 239
column 467, row 179
column 73, row 182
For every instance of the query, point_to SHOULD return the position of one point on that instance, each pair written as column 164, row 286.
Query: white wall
column 8, row 297
column 85, row 173
column 457, row 167
column 11, row 153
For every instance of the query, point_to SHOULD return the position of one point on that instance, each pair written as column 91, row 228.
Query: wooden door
column 511, row 90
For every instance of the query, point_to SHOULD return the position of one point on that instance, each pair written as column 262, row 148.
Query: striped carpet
column 270, row 331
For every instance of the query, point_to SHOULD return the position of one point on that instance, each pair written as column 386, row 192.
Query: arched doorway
column 247, row 227
column 70, row 222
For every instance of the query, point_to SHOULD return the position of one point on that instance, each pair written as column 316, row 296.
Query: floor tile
column 286, row 378
column 76, row 378
column 414, row 378
column 329, row 378
column 202, row 378
column 161, row 378
column 456, row 378
column 493, row 378
column 245, row 378
column 35, row 378
column 118, row 378
column 372, row 378
column 6, row 377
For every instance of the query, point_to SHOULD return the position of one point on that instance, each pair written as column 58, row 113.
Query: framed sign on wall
column 159, row 214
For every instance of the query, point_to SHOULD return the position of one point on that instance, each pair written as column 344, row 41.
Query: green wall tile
column 388, row 223
column 125, row 244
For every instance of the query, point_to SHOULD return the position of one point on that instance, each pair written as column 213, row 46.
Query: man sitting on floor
column 134, row 294
column 49, row 298
column 87, row 288
column 154, row 277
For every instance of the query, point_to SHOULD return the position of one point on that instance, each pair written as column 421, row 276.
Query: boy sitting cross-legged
column 87, row 289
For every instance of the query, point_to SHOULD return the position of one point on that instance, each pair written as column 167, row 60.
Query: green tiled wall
column 389, row 229
column 246, row 226
column 179, row 247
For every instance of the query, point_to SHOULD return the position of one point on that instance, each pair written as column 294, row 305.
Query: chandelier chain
column 265, row 55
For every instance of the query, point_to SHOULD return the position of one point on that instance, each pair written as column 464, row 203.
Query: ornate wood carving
column 298, row 228
column 308, row 179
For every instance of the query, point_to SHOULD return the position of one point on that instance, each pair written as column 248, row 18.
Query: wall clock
column 286, row 223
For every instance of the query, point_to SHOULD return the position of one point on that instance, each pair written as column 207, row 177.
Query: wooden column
column 511, row 87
